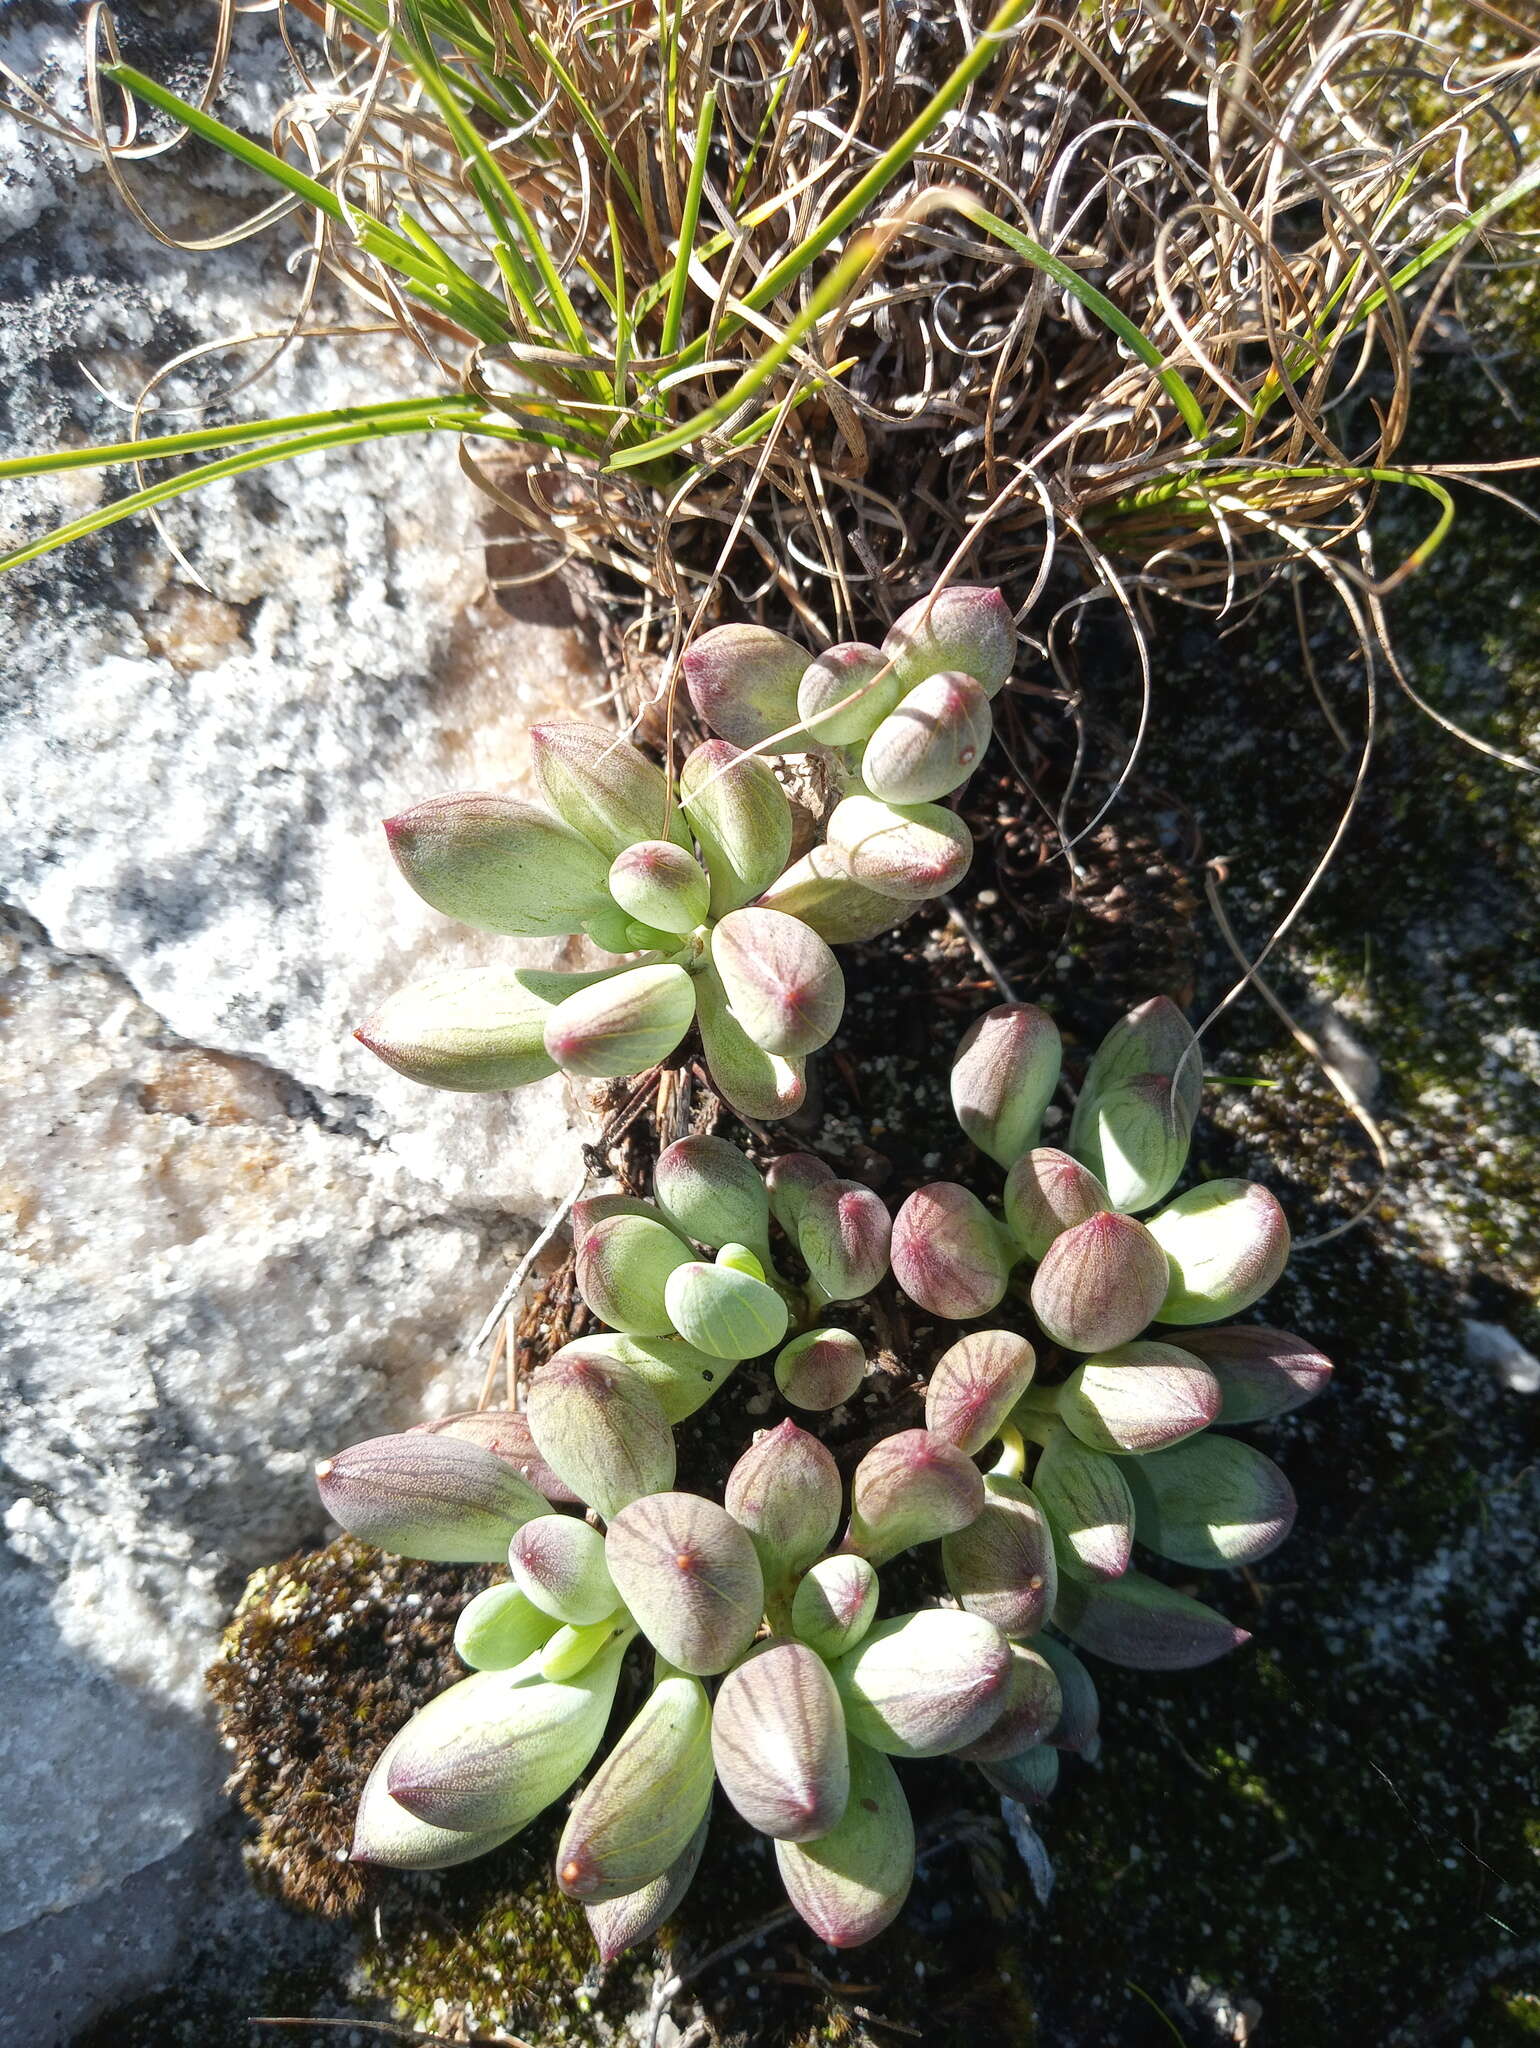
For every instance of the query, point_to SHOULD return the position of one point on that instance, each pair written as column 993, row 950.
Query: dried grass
column 1279, row 203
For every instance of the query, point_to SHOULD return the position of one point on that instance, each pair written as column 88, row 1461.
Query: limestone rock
column 232, row 1239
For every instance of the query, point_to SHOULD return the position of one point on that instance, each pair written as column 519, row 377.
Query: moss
column 1511, row 2016
column 329, row 1652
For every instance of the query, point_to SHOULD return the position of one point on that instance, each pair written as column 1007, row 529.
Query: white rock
column 229, row 1239
column 1495, row 1347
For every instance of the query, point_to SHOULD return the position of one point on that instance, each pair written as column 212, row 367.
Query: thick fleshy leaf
column 910, row 1488
column 930, row 743
column 1032, row 1707
column 602, row 786
column 690, row 1575
column 742, row 680
column 613, row 930
column 852, row 1882
column 835, row 1604
column 1003, row 1077
column 593, row 1209
column 924, row 1684
column 496, row 1749
column 1089, row 1507
column 497, row 864
column 1134, row 1117
column 506, row 1434
column 967, row 626
column 622, row 1268
column 1002, row 1565
column 1141, row 1397
column 625, row 1023
column 682, row 1378
column 639, row 1812
column 710, row 1192
column 575, row 1645
column 949, row 1254
column 974, row 1386
column 724, row 1312
column 783, row 984
column 433, row 1497
column 1080, row 1708
column 1262, row 1372
column 785, row 1490
column 602, row 1430
column 908, row 851
column 789, row 1180
column 1227, row 1242
column 500, row 1628
column 1210, row 1503
column 1155, row 1038
column 843, row 1233
column 1029, row 1778
column 820, row 1369
column 558, row 1563
column 634, row 1917
column 778, row 1736
column 1137, row 1139
column 659, row 884
column 1140, row 1623
column 846, row 693
column 756, row 1083
column 817, row 888
column 385, row 1833
column 741, row 816
column 1047, row 1193
column 474, row 1029
column 1099, row 1284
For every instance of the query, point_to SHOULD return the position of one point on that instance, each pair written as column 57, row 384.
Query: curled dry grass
column 823, row 304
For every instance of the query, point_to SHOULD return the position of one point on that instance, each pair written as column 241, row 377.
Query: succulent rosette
column 1043, row 1468
column 1135, row 1290
column 690, row 878
column 771, row 1674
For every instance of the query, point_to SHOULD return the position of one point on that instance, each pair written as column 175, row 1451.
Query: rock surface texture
column 231, row 1239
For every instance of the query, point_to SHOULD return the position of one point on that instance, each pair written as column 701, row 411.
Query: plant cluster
column 694, row 876
column 816, row 1695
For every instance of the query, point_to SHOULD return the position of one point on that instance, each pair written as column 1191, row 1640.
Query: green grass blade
column 758, row 428
column 1445, row 244
column 673, row 316
column 501, row 201
column 623, row 327
column 1194, row 490
column 588, row 117
column 458, row 418
column 772, row 105
column 876, row 180
column 1312, row 349
column 199, row 439
column 1095, row 302
column 764, row 366
column 441, row 281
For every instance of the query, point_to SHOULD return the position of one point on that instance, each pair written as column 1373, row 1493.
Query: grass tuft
column 1098, row 303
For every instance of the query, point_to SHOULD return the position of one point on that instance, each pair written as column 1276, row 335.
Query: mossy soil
column 1335, row 1827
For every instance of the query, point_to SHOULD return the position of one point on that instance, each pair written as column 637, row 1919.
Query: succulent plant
column 680, row 1322
column 691, row 879
column 1045, row 1470
column 1111, row 1447
column 812, row 1694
